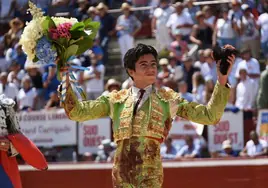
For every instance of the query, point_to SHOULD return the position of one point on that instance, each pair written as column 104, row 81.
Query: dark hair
column 134, row 54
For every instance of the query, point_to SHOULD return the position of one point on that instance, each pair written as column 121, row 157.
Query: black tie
column 142, row 91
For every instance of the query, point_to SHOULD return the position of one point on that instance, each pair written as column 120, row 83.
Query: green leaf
column 94, row 28
column 48, row 23
column 80, row 26
column 70, row 51
column 72, row 41
column 84, row 45
column 63, row 42
column 77, row 34
column 35, row 59
column 93, row 25
column 87, row 21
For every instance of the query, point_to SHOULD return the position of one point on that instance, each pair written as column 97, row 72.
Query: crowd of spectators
column 178, row 27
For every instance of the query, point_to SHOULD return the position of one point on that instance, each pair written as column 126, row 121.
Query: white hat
column 106, row 142
column 163, row 61
column 226, row 144
column 245, row 7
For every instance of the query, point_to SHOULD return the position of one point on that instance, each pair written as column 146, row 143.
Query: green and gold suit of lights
column 137, row 162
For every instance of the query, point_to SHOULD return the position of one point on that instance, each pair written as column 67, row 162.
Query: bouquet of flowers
column 56, row 39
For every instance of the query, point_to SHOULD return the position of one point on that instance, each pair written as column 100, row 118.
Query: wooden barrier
column 235, row 173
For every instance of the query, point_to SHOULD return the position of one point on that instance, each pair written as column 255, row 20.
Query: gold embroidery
column 125, row 113
column 167, row 94
column 168, row 123
column 156, row 117
column 136, row 130
column 124, row 123
column 69, row 102
column 119, row 96
column 129, row 102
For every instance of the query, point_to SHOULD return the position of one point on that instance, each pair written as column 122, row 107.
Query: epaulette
column 167, row 95
column 6, row 102
column 118, row 96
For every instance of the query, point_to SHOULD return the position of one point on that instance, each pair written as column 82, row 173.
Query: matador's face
column 145, row 70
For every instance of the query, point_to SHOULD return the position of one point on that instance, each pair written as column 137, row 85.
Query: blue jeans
column 264, row 48
column 224, row 41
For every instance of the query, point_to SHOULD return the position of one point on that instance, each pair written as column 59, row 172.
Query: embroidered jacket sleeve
column 85, row 110
column 209, row 114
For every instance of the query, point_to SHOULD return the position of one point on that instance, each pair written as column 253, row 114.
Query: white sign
column 181, row 128
column 48, row 128
column 230, row 127
column 91, row 133
column 262, row 127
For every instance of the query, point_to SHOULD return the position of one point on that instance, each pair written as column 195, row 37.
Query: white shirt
column 253, row 149
column 19, row 76
column 26, row 98
column 11, row 90
column 263, row 22
column 250, row 31
column 244, row 94
column 162, row 15
column 198, row 96
column 95, row 85
column 176, row 20
column 225, row 29
column 209, row 71
column 210, row 20
column 232, row 76
column 252, row 66
column 136, row 94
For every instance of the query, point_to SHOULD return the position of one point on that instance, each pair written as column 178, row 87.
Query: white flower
column 31, row 33
column 61, row 20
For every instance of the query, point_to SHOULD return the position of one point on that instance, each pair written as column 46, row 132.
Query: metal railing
column 152, row 7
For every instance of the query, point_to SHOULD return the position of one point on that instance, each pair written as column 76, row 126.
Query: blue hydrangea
column 44, row 51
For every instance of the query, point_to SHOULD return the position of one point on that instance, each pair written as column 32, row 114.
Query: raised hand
column 4, row 144
column 231, row 59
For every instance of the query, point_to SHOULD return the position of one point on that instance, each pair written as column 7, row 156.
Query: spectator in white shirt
column 235, row 13
column 198, row 87
column 112, row 85
column 248, row 32
column 252, row 65
column 16, row 73
column 165, row 71
column 94, row 79
column 159, row 28
column 168, row 150
column 255, row 146
column 225, row 30
column 209, row 87
column 9, row 89
column 183, row 91
column 244, row 91
column 201, row 59
column 209, row 68
column 262, row 24
column 27, row 95
column 209, row 18
column 180, row 20
column 127, row 27
column 190, row 150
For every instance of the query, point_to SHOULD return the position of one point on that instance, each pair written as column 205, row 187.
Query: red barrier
column 241, row 173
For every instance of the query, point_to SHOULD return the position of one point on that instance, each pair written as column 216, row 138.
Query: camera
column 220, row 53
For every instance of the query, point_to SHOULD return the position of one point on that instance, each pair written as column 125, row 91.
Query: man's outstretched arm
column 83, row 110
column 209, row 114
